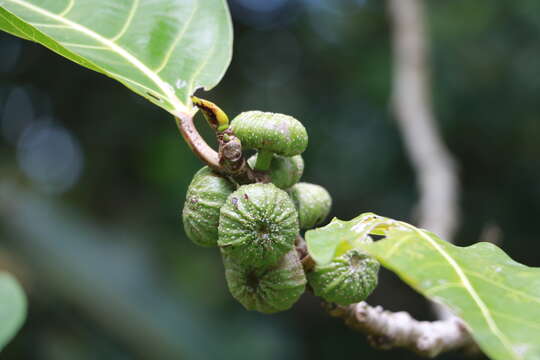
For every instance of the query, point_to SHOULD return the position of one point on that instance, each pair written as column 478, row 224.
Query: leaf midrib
column 164, row 86
column 468, row 272
column 470, row 289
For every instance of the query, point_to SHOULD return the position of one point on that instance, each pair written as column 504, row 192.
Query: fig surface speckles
column 266, row 289
column 284, row 171
column 258, row 224
column 347, row 279
column 206, row 195
column 313, row 203
column 277, row 133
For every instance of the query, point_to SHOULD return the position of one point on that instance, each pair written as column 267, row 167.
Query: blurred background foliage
column 93, row 177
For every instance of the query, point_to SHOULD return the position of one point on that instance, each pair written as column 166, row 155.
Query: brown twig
column 431, row 159
column 386, row 329
column 412, row 105
column 195, row 142
column 230, row 159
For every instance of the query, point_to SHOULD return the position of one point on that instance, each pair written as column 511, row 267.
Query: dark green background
column 109, row 272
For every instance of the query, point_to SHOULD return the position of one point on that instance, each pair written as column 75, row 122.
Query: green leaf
column 12, row 308
column 162, row 49
column 498, row 298
column 336, row 238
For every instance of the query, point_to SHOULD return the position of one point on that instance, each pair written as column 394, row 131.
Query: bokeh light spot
column 50, row 156
column 17, row 115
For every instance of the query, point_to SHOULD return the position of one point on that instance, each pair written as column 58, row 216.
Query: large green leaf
column 161, row 49
column 12, row 308
column 339, row 236
column 498, row 298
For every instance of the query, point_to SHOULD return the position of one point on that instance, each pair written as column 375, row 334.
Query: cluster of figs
column 257, row 226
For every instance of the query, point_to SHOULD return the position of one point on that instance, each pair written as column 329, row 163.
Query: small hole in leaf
column 153, row 96
column 375, row 237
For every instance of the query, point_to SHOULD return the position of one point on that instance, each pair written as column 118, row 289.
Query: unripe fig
column 347, row 279
column 258, row 224
column 277, row 133
column 269, row 133
column 206, row 194
column 284, row 171
column 313, row 203
column 267, row 289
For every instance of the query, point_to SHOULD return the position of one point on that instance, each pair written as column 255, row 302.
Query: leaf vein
column 30, row 36
column 515, row 319
column 175, row 42
column 507, row 288
column 202, row 66
column 128, row 22
column 165, row 87
column 396, row 246
column 60, row 26
column 153, row 91
column 68, row 8
column 436, row 289
column 470, row 290
column 84, row 46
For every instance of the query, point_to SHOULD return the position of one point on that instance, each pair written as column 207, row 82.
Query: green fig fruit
column 284, row 171
column 348, row 279
column 313, row 203
column 258, row 224
column 267, row 289
column 206, row 194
